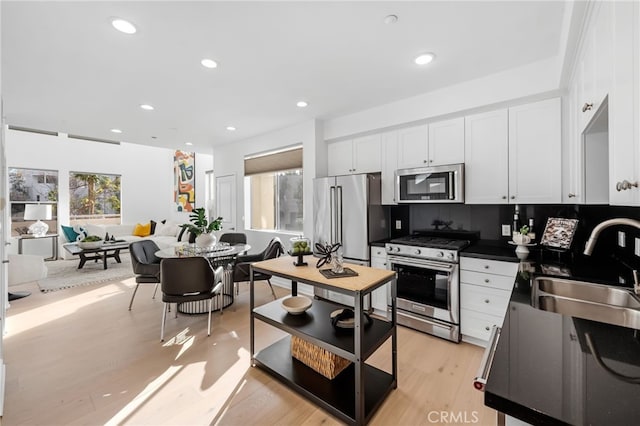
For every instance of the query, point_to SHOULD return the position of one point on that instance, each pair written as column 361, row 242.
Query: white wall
column 517, row 83
column 147, row 173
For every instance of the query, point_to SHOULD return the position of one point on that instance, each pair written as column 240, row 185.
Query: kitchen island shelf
column 356, row 393
column 315, row 326
column 329, row 394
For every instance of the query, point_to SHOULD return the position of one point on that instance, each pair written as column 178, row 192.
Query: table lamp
column 38, row 212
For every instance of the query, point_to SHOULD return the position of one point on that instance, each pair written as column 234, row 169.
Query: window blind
column 275, row 162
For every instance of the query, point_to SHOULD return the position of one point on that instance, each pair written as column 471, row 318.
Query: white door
column 226, row 201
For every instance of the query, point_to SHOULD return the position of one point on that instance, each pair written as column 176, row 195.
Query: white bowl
column 90, row 245
column 296, row 305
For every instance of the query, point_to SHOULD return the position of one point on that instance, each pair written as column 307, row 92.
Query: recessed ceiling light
column 116, row 130
column 188, row 143
column 123, row 26
column 147, row 107
column 390, row 19
column 231, row 128
column 209, row 63
column 425, row 58
column 302, row 104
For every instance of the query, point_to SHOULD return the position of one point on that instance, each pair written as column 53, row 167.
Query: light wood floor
column 78, row 356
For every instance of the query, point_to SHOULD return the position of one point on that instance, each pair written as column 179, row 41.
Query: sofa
column 165, row 235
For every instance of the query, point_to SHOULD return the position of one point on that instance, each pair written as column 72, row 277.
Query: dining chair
column 242, row 267
column 146, row 265
column 189, row 279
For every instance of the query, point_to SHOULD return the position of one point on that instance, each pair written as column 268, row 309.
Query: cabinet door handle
column 625, row 184
column 486, row 300
column 513, row 197
column 486, row 280
column 487, row 328
column 504, row 197
column 424, row 161
column 571, row 195
column 587, row 107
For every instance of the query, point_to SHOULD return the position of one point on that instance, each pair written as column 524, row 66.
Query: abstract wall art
column 184, row 169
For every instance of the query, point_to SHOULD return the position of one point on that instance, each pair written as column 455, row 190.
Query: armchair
column 241, row 269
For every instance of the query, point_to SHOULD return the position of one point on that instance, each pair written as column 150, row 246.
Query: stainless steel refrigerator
column 348, row 210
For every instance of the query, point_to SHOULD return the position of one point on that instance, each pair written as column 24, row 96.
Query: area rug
column 63, row 274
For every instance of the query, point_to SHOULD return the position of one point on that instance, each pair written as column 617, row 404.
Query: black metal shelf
column 332, row 395
column 315, row 326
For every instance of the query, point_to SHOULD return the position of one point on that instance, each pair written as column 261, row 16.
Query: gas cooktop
column 451, row 240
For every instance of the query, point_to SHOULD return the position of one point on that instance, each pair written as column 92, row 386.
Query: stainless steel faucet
column 591, row 242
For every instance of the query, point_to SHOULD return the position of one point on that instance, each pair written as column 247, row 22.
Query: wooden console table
column 369, row 385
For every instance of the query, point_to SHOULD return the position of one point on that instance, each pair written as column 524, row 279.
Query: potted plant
column 522, row 237
column 202, row 228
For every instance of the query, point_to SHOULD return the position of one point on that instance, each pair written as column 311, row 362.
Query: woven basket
column 322, row 361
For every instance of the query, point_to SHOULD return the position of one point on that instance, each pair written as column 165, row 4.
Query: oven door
column 427, row 288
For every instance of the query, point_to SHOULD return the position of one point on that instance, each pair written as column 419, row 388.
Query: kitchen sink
column 597, row 302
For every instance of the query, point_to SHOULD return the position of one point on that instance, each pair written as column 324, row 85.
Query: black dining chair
column 189, row 279
column 242, row 267
column 146, row 265
column 233, row 238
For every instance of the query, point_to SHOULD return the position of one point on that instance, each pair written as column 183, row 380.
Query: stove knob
column 398, row 249
column 440, row 254
column 451, row 256
column 418, row 251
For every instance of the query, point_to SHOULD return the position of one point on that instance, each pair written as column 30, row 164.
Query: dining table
column 221, row 254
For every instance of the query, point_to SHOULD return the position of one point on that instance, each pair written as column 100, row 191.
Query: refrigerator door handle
column 332, row 213
column 339, row 214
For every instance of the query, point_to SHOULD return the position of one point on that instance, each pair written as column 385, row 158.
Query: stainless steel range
column 428, row 280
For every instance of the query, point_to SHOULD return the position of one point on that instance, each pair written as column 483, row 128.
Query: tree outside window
column 94, row 198
column 31, row 186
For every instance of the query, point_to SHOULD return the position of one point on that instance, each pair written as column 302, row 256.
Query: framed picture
column 558, row 233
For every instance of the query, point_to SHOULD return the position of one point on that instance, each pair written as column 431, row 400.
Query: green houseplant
column 199, row 224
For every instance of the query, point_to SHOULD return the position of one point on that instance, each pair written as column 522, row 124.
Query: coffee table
column 108, row 250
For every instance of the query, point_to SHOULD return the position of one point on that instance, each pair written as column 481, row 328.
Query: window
column 32, row 186
column 94, row 198
column 273, row 186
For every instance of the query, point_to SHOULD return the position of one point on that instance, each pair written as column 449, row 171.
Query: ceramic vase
column 205, row 240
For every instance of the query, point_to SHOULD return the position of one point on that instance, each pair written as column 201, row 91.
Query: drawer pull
column 487, row 328
column 486, row 280
column 486, row 300
column 486, row 266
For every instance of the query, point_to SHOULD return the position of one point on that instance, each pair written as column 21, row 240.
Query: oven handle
column 437, row 266
column 487, row 359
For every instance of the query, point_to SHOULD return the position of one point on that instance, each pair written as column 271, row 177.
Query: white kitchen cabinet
column 413, row 145
column 535, row 153
column 379, row 296
column 514, row 155
column 624, row 117
column 389, row 167
column 486, row 154
column 435, row 144
column 572, row 152
column 359, row 155
column 485, row 290
column 446, row 142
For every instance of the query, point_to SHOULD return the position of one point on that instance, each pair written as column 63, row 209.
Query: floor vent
column 87, row 138
column 26, row 129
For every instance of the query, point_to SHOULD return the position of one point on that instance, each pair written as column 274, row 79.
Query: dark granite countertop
column 543, row 371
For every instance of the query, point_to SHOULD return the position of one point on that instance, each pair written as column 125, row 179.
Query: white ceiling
column 64, row 68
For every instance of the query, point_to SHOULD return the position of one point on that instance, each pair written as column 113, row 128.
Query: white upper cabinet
column 486, row 156
column 535, row 157
column 624, row 117
column 446, row 142
column 359, row 155
column 389, row 166
column 413, row 147
column 514, row 155
column 434, row 144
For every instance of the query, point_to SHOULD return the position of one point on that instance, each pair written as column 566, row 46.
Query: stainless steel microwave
column 438, row 184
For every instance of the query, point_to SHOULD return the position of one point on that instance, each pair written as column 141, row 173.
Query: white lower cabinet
column 485, row 290
column 379, row 296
